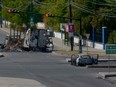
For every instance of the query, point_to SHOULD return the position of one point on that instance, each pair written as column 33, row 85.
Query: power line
column 109, row 15
column 43, row 3
column 92, row 12
column 103, row 4
column 82, row 8
column 43, row 6
column 23, row 6
column 49, row 5
column 18, row 8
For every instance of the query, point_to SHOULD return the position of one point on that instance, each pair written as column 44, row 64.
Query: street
column 38, row 69
column 50, row 70
column 58, row 43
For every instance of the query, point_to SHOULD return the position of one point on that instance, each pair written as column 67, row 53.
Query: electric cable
column 82, row 8
column 103, row 4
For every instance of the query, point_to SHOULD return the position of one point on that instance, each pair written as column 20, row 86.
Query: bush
column 112, row 38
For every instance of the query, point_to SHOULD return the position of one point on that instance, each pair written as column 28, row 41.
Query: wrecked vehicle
column 38, row 39
column 84, row 59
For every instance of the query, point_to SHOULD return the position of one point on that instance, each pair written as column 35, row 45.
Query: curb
column 101, row 66
column 104, row 75
column 106, row 60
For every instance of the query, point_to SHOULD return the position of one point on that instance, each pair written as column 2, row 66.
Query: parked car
column 82, row 59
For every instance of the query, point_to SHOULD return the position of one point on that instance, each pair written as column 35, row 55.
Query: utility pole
column 1, row 12
column 72, row 37
column 80, row 38
column 32, row 14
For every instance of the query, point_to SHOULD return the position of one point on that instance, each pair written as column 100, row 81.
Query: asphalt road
column 50, row 70
column 47, row 69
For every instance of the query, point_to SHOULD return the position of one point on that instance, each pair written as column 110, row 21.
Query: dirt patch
column 69, row 53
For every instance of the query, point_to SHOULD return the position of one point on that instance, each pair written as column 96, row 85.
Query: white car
column 82, row 59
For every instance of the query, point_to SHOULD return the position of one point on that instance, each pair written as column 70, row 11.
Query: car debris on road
column 84, row 59
column 1, row 55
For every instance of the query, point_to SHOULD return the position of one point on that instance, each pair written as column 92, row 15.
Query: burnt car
column 83, row 59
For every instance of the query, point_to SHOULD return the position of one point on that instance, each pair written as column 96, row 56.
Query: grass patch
column 65, row 52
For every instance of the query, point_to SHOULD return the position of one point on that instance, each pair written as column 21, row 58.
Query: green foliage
column 112, row 38
column 19, row 18
column 94, row 13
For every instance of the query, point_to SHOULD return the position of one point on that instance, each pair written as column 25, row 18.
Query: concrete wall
column 84, row 42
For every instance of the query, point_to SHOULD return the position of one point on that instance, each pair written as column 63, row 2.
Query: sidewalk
column 5, row 30
column 59, row 44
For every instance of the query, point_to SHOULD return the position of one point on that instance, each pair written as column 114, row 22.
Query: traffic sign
column 110, row 48
column 71, row 27
column 87, row 35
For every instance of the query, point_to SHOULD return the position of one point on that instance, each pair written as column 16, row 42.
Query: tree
column 112, row 37
column 24, row 7
column 96, row 13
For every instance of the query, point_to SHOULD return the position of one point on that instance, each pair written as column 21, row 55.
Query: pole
column 104, row 36
column 93, row 37
column 31, row 15
column 109, row 63
column 72, row 37
column 1, row 12
column 80, row 38
column 87, row 35
column 87, row 45
column 70, row 9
